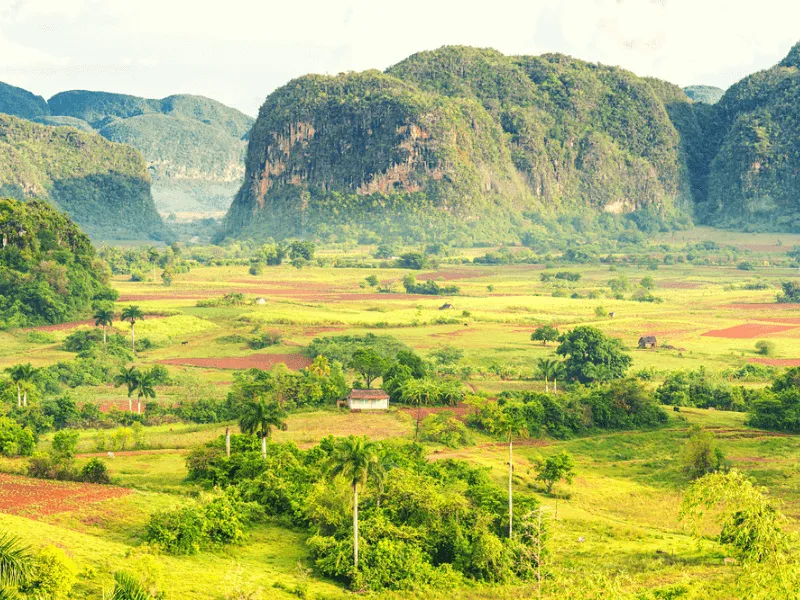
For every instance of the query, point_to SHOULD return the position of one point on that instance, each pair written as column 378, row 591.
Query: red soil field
column 460, row 410
column 748, row 330
column 254, row 361
column 74, row 324
column 777, row 362
column 36, row 497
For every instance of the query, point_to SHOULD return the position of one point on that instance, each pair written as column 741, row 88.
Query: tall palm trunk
column 130, row 403
column 104, row 335
column 264, row 446
column 25, row 398
column 355, row 525
column 419, row 412
column 133, row 337
column 555, row 385
column 228, row 442
column 546, row 385
column 19, row 396
column 510, row 486
column 139, row 405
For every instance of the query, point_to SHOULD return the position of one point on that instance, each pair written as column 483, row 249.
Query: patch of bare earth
column 748, row 330
column 36, row 497
column 254, row 361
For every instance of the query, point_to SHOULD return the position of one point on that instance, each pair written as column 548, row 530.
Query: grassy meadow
column 615, row 526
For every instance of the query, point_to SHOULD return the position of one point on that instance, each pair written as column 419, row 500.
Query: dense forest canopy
column 49, row 272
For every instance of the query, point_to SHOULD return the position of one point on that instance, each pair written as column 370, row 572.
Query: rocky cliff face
column 103, row 186
column 459, row 137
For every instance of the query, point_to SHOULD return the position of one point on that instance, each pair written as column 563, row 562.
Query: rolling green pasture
column 616, row 525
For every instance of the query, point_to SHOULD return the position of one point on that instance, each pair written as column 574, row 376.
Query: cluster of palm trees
column 22, row 375
column 427, row 391
column 104, row 317
column 550, row 370
column 141, row 382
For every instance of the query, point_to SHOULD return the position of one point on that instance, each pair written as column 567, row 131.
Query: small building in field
column 367, row 400
column 261, row 301
column 648, row 341
column 446, row 306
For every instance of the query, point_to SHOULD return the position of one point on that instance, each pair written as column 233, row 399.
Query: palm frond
column 14, row 560
column 129, row 588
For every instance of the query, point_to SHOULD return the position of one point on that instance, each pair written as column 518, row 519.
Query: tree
column 544, row 334
column 748, row 522
column 648, row 283
column 547, row 368
column 513, row 422
column 418, row 391
column 700, row 454
column 132, row 314
column 259, row 417
column 144, row 389
column 129, row 377
column 15, row 562
column 21, row 374
column 356, row 459
column 447, row 355
column 372, row 280
column 791, row 292
column 369, row 364
column 592, row 356
column 553, row 469
column 104, row 317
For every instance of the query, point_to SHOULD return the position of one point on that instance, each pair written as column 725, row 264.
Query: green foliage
column 428, row 288
column 340, row 348
column 52, row 575
column 551, row 470
column 104, row 187
column 95, row 471
column 445, row 428
column 766, row 347
column 700, row 455
column 699, row 388
column 590, row 355
column 791, row 292
column 265, row 340
column 15, row 440
column 178, row 531
column 748, row 522
column 307, row 387
column 49, row 272
column 707, row 94
column 544, row 334
column 21, row 103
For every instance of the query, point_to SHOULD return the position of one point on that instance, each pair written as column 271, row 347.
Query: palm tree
column 15, row 562
column 547, row 367
column 321, row 367
column 21, row 374
column 418, row 391
column 103, row 317
column 132, row 314
column 513, row 424
column 559, row 371
column 144, row 388
column 259, row 417
column 127, row 587
column 128, row 377
column 356, row 459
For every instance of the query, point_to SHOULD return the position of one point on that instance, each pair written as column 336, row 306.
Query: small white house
column 261, row 301
column 368, row 400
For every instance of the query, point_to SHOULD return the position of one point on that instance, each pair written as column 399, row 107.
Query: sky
column 238, row 51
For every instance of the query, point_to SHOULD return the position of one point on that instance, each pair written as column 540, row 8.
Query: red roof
column 366, row 394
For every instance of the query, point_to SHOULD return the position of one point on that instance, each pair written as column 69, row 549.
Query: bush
column 700, row 454
column 445, row 428
column 766, row 348
column 95, row 471
column 15, row 440
column 52, row 575
column 178, row 531
column 266, row 339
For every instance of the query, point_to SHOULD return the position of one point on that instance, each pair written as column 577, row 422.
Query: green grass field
column 616, row 525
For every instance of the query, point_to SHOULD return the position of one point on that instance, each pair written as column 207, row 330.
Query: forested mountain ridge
column 460, row 138
column 103, row 186
column 194, row 146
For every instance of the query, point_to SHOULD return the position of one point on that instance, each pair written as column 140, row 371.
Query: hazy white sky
column 238, row 51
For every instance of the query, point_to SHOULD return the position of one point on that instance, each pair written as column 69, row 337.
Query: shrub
column 700, row 454
column 52, row 575
column 15, row 440
column 95, row 471
column 178, row 531
column 445, row 428
column 765, row 348
column 266, row 339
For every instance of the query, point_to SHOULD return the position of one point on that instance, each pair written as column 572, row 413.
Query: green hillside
column 752, row 155
column 49, row 272
column 103, row 186
column 460, row 141
column 708, row 94
column 194, row 146
column 22, row 103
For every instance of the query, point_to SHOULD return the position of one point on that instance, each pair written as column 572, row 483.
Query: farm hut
column 648, row 341
column 261, row 301
column 446, row 306
column 368, row 400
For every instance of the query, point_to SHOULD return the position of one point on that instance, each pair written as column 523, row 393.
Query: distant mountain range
column 194, row 146
column 464, row 144
column 470, row 143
